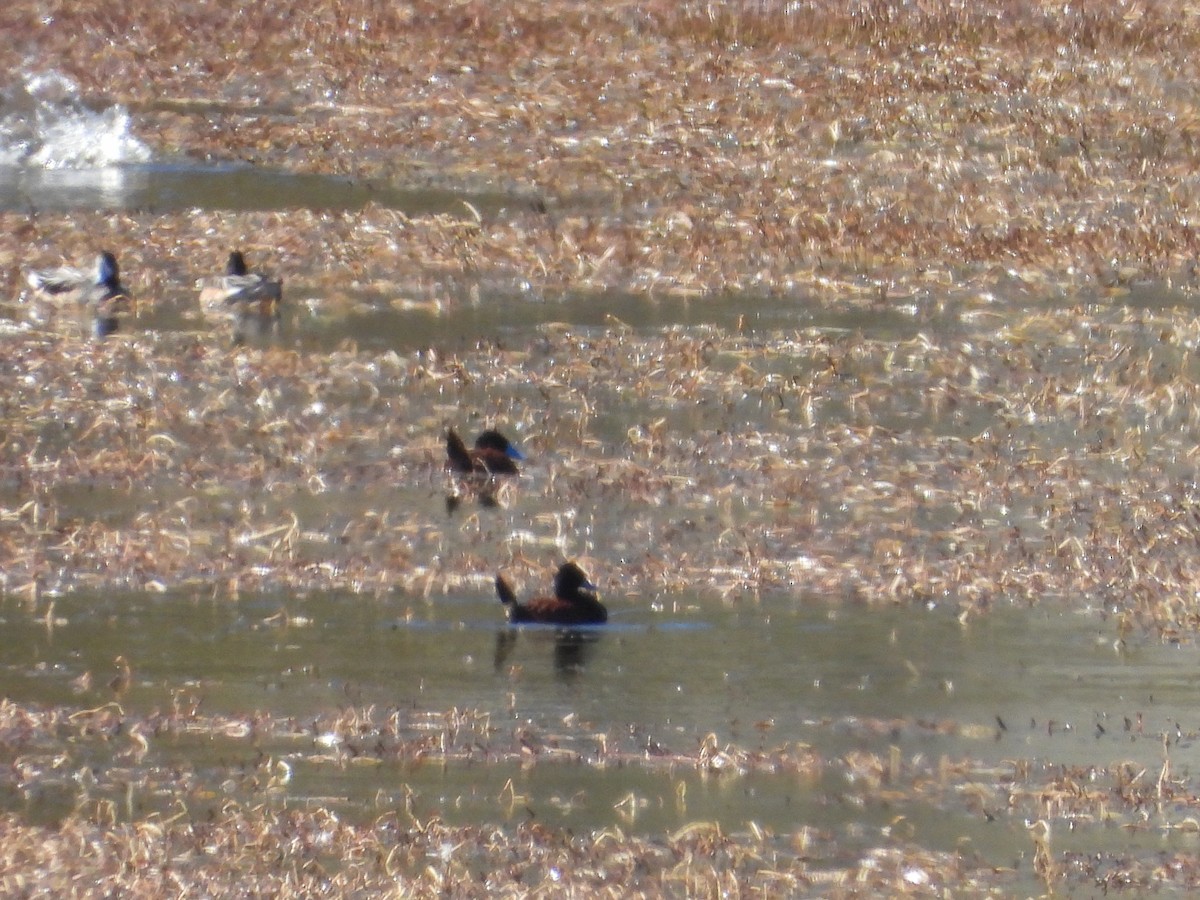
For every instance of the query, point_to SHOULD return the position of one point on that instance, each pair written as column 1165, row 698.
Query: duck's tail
column 458, row 458
column 505, row 592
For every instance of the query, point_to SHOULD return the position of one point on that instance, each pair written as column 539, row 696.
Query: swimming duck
column 493, row 454
column 98, row 294
column 248, row 301
column 574, row 602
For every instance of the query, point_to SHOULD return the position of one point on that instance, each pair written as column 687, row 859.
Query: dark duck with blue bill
column 493, row 454
column 575, row 601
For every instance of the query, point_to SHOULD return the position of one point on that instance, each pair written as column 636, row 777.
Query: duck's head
column 570, row 581
column 236, row 264
column 494, row 441
column 107, row 272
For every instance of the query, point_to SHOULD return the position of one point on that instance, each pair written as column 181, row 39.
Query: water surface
column 672, row 672
column 1021, row 684
column 166, row 187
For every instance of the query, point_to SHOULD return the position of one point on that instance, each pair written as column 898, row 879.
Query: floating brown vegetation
column 302, row 853
column 738, row 145
column 1009, row 185
column 1047, row 459
column 131, row 817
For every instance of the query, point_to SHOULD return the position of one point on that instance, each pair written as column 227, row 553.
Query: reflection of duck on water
column 571, row 649
column 574, row 602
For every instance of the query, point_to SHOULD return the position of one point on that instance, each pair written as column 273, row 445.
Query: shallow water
column 1021, row 684
column 60, row 151
column 171, row 187
column 1040, row 684
column 1062, row 690
column 509, row 318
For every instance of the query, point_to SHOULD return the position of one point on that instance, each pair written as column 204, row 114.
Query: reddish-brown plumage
column 574, row 601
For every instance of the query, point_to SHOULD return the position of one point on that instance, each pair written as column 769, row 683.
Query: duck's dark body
column 492, row 454
column 574, row 601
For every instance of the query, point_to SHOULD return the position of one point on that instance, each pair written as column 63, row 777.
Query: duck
column 493, row 454
column 575, row 601
column 97, row 293
column 248, row 301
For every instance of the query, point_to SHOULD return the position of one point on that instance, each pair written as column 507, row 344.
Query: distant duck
column 98, row 294
column 247, row 301
column 493, row 454
column 574, row 602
